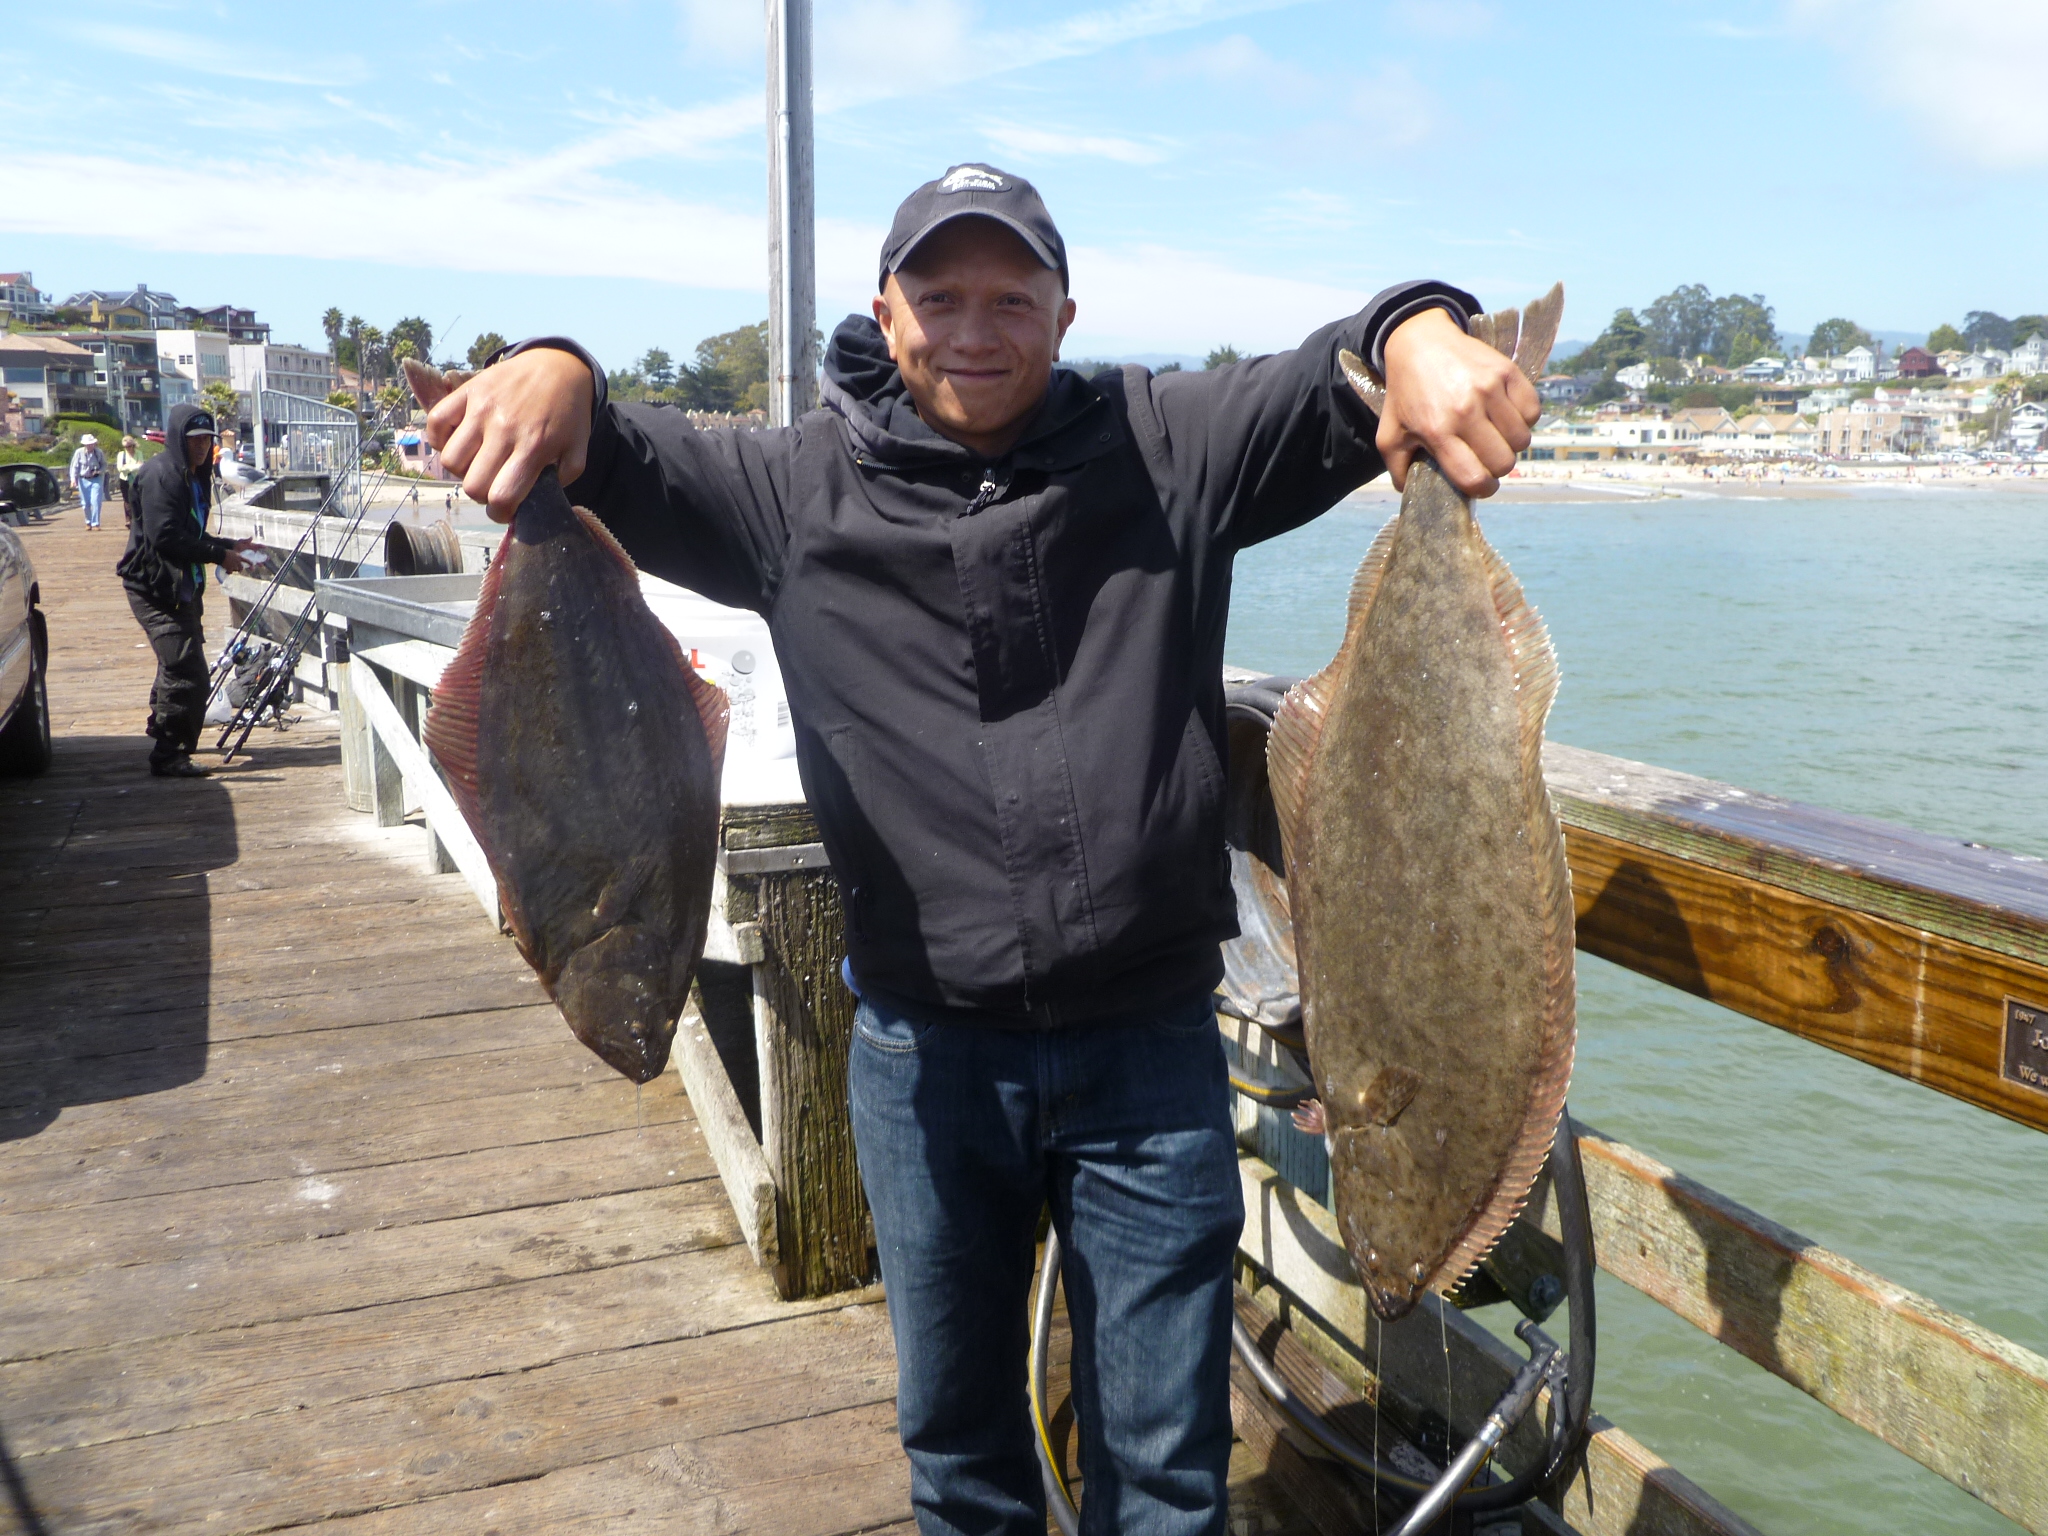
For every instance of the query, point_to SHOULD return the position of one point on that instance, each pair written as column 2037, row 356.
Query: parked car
column 26, row 492
column 24, row 663
column 155, row 434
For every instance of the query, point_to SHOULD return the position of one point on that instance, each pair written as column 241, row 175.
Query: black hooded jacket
column 168, row 541
column 1006, row 677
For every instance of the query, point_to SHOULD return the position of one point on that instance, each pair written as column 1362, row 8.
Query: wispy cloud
column 1239, row 61
column 1042, row 143
column 727, row 31
column 1973, row 80
column 1456, row 20
column 209, row 54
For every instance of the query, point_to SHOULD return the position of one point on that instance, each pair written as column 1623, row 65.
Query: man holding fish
column 998, row 594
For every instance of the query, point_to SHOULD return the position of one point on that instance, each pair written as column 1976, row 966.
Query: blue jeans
column 90, row 493
column 965, row 1133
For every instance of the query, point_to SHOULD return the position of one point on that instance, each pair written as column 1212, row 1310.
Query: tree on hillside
column 1745, row 328
column 2029, row 325
column 481, row 349
column 1625, row 341
column 732, row 370
column 1223, row 357
column 1981, row 328
column 1946, row 338
column 1831, row 338
column 348, row 351
column 1681, row 323
column 415, row 330
column 333, row 323
column 658, row 368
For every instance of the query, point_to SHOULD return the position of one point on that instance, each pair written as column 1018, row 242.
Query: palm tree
column 333, row 324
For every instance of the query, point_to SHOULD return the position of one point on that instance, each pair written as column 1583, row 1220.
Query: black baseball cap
column 201, row 422
column 978, row 191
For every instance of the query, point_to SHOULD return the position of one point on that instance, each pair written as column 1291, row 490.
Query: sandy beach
column 1647, row 482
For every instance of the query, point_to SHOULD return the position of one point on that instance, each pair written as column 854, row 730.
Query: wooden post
column 356, row 745
column 387, row 781
column 803, row 1019
column 439, row 860
column 792, row 246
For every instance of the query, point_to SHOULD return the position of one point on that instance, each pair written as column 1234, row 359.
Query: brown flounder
column 1427, row 880
column 585, row 754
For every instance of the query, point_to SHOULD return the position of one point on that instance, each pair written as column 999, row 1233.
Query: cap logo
column 972, row 178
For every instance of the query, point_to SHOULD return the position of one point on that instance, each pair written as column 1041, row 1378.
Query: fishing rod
column 280, row 668
column 1569, row 1375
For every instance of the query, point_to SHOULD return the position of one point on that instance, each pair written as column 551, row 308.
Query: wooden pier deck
column 312, row 1213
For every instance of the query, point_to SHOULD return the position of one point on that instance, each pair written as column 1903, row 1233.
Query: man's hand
column 233, row 563
column 513, row 420
column 1456, row 399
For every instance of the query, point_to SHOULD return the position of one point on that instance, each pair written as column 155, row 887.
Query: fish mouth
column 638, row 1060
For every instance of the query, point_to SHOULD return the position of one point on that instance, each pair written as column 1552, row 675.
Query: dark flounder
column 1427, row 879
column 585, row 754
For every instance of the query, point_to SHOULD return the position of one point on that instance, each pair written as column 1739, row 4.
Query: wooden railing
column 1922, row 956
column 1925, row 957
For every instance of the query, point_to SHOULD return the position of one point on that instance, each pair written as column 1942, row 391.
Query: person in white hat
column 89, row 478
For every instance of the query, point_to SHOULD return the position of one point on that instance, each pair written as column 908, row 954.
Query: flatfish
column 1427, row 881
column 585, row 754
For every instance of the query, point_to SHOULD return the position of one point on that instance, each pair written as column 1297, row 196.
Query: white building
column 1634, row 378
column 1763, row 370
column 292, row 370
column 2029, row 357
column 2029, row 421
column 1858, row 365
column 197, row 358
column 1987, row 364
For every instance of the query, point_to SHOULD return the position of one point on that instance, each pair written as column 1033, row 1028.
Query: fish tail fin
column 714, row 710
column 430, row 386
column 1536, row 679
column 1298, row 723
column 1539, row 333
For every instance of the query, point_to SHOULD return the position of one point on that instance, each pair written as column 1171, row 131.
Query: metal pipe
column 1057, row 1498
column 1507, row 1413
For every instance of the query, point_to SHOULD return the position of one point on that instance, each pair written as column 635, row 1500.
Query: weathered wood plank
column 403, row 1447
column 349, row 1137
column 149, row 1387
column 190, row 1223
column 1958, row 1399
column 1979, row 896
column 1885, row 944
column 730, row 1139
column 1295, row 1241
column 804, row 1024
column 832, row 1475
column 1926, row 1007
column 231, row 1288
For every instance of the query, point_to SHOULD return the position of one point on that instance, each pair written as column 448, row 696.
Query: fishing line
column 1444, row 1343
column 1379, row 1394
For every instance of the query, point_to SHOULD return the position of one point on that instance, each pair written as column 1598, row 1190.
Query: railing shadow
column 106, row 929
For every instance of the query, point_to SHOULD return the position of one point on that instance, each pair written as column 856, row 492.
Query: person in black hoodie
column 163, row 569
column 998, row 593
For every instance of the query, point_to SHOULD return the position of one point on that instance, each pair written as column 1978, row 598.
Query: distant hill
column 1794, row 343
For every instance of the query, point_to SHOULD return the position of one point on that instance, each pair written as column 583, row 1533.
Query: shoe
column 176, row 768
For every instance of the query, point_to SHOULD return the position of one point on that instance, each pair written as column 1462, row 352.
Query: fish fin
column 451, row 723
column 1507, row 326
column 1540, row 321
column 430, row 386
column 1536, row 679
column 714, row 710
column 1370, row 390
column 1298, row 723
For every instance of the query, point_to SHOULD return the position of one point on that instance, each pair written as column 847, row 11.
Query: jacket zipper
column 987, row 493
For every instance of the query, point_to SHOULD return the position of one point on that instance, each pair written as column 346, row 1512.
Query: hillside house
column 1919, row 363
column 1987, row 364
column 51, row 377
column 1563, row 388
column 130, row 309
column 1858, row 365
column 1763, row 370
column 21, row 300
column 2029, row 357
column 2023, row 434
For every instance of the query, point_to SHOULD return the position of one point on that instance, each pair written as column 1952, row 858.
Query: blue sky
column 1224, row 170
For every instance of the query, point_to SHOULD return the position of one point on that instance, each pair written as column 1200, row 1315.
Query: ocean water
column 1884, row 653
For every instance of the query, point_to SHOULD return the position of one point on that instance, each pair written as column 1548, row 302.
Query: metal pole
column 792, row 247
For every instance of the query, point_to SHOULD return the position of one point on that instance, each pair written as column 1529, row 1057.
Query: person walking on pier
column 89, row 478
column 164, row 572
column 127, row 464
column 998, row 592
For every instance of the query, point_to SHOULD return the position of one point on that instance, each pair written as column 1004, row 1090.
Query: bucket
column 1260, row 980
column 430, row 551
